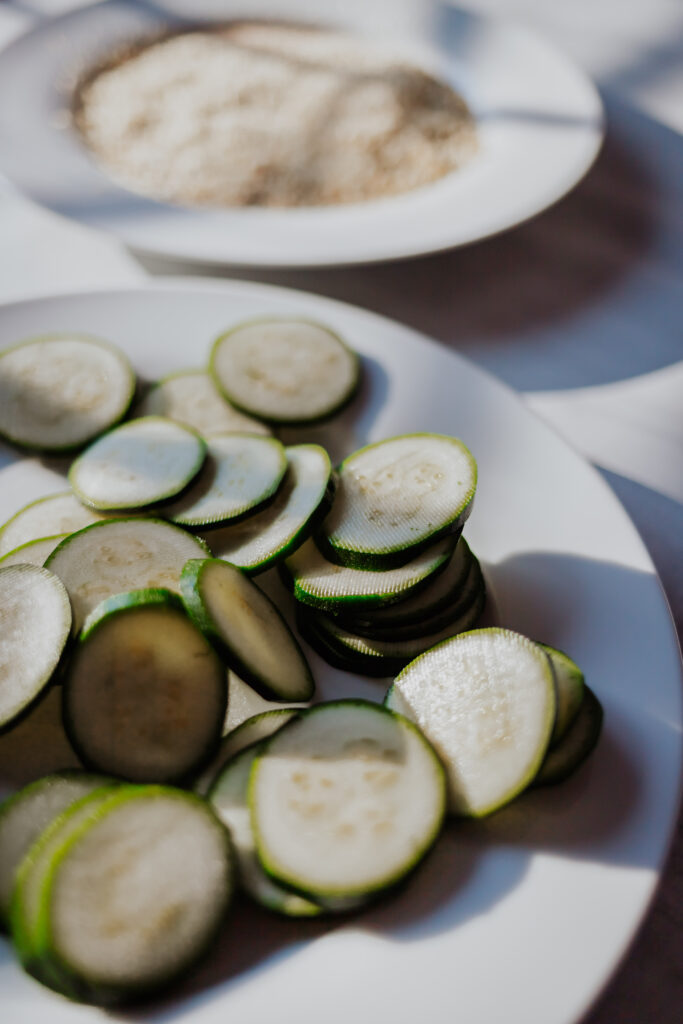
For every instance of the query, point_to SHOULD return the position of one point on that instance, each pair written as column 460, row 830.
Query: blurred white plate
column 539, row 122
column 522, row 917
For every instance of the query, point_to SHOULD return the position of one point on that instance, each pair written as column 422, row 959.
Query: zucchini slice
column 570, row 683
column 396, row 497
column 158, row 870
column 576, row 744
column 284, row 370
column 144, row 696
column 345, row 801
column 34, row 552
column 138, row 464
column 228, row 797
column 486, row 701
column 59, row 391
column 35, row 622
column 319, row 583
column 384, row 657
column 246, row 628
column 442, row 591
column 118, row 555
column 300, row 505
column 191, row 397
column 57, row 513
column 242, row 472
column 25, row 814
column 251, row 730
column 244, row 702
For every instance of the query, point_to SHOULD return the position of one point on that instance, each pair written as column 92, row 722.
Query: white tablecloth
column 587, row 321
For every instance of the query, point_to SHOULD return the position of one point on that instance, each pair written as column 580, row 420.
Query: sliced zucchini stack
column 380, row 641
column 241, row 474
column 118, row 555
column 487, row 702
column 246, row 628
column 35, row 622
column 191, row 397
column 46, row 517
column 145, row 694
column 140, row 463
column 284, row 370
column 25, row 815
column 345, row 801
column 298, row 508
column 123, row 893
column 398, row 496
column 60, row 391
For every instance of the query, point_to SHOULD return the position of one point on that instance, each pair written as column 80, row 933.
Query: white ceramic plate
column 522, row 917
column 539, row 122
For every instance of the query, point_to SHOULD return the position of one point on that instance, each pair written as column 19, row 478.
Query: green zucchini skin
column 575, row 746
column 191, row 586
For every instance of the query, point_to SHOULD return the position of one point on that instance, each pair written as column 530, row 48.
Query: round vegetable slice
column 140, row 463
column 35, row 621
column 241, row 473
column 284, row 370
column 158, row 869
column 57, row 513
column 244, row 702
column 250, row 731
column 228, row 797
column 118, row 555
column 570, row 683
column 486, row 701
column 576, row 743
column 191, row 397
column 320, row 583
column 300, row 505
column 25, row 814
column 246, row 628
column 59, row 391
column 396, row 497
column 380, row 657
column 345, row 801
column 35, row 552
column 145, row 694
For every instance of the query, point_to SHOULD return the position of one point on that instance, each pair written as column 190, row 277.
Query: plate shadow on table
column 583, row 294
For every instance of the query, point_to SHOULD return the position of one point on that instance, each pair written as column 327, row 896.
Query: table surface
column 586, row 322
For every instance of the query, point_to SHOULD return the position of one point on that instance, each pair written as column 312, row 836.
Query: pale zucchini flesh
column 242, row 472
column 141, row 463
column 569, row 683
column 345, row 801
column 284, row 370
column 319, row 583
column 247, row 629
column 25, row 815
column 244, row 702
column 34, row 552
column 118, row 555
column 252, row 730
column 145, row 694
column 228, row 797
column 191, row 397
column 303, row 500
column 58, row 392
column 35, row 623
column 56, row 513
column 486, row 701
column 397, row 496
column 158, row 869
